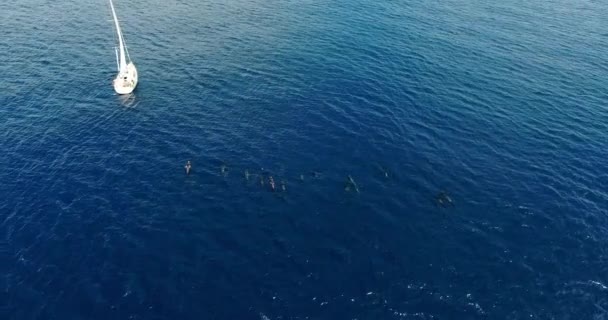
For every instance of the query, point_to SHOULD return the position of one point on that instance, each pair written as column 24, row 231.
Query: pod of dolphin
column 442, row 199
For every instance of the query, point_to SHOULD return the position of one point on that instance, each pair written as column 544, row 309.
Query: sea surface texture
column 501, row 104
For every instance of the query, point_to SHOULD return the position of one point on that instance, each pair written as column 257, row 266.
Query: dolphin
column 443, row 199
column 384, row 171
column 350, row 182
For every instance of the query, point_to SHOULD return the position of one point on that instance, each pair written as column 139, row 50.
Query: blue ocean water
column 501, row 104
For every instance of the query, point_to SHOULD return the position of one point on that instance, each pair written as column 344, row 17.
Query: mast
column 122, row 62
column 117, row 61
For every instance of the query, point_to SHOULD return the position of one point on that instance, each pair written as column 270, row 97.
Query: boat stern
column 126, row 82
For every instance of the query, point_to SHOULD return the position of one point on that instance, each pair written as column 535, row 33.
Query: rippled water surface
column 502, row 104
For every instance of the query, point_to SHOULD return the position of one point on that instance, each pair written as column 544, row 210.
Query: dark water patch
column 499, row 104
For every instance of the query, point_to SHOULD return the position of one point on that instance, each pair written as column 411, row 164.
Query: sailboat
column 126, row 79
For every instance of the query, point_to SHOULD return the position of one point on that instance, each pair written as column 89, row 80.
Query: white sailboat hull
column 125, row 82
